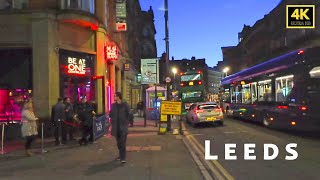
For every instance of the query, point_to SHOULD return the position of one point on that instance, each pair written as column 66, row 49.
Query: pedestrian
column 120, row 114
column 131, row 118
column 85, row 114
column 29, row 127
column 59, row 117
column 69, row 121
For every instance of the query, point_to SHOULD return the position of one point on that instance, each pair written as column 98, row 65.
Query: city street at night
column 121, row 89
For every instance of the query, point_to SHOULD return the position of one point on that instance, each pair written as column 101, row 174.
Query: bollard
column 42, row 139
column 2, row 140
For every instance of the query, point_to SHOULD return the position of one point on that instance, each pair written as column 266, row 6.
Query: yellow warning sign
column 170, row 107
column 164, row 118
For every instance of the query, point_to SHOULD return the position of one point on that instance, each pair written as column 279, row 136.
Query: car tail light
column 181, row 84
column 218, row 110
column 199, row 111
column 199, row 82
column 283, row 107
column 303, row 108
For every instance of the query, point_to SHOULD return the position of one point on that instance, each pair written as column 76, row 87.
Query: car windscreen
column 208, row 106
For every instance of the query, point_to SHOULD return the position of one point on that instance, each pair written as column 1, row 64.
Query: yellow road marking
column 215, row 162
column 214, row 170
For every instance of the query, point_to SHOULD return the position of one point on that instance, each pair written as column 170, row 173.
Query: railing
column 13, row 4
column 84, row 5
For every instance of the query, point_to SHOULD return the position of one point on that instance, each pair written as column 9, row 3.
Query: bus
column 192, row 89
column 283, row 92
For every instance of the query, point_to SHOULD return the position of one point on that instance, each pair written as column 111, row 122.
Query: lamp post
column 225, row 70
column 166, row 14
column 174, row 71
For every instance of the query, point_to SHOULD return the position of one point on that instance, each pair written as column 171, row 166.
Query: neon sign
column 111, row 53
column 76, row 66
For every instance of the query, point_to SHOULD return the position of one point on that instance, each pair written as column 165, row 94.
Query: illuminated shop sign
column 111, row 53
column 76, row 66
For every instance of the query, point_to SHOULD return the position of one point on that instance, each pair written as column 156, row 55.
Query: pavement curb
column 205, row 173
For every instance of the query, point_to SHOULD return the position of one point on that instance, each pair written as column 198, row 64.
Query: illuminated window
column 246, row 94
column 194, row 94
column 264, row 90
column 236, row 96
column 315, row 72
column 284, row 86
column 190, row 77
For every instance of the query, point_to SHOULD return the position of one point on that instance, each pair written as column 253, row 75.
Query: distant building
column 214, row 79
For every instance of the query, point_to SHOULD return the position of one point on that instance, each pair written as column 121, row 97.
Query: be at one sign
column 170, row 107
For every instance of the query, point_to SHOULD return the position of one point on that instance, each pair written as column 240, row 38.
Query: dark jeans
column 29, row 140
column 121, row 143
column 59, row 132
column 67, row 130
column 86, row 131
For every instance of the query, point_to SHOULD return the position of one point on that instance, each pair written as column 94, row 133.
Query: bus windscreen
column 194, row 94
column 190, row 77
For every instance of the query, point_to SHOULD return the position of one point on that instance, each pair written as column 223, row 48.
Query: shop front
column 77, row 76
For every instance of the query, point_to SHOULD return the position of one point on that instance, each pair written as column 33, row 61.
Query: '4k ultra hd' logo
column 300, row 16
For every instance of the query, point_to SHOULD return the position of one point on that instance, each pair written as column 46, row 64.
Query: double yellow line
column 218, row 170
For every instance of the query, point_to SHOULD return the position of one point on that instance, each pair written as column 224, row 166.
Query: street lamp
column 174, row 70
column 225, row 70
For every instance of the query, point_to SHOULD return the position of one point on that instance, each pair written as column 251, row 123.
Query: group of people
column 64, row 114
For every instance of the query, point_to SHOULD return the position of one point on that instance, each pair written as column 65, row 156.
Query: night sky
column 201, row 27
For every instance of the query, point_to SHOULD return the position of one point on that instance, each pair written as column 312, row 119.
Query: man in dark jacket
column 67, row 125
column 59, row 117
column 85, row 114
column 119, row 115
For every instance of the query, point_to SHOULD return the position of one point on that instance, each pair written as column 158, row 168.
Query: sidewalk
column 149, row 156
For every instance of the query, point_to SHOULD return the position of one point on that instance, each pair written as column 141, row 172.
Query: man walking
column 119, row 115
column 59, row 117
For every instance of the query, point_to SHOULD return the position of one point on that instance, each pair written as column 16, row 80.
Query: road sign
column 168, row 79
column 149, row 71
column 170, row 107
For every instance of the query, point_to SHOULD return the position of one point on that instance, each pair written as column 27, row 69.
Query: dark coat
column 69, row 112
column 59, row 112
column 84, row 111
column 119, row 114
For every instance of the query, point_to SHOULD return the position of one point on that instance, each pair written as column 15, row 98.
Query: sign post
column 150, row 75
column 169, row 108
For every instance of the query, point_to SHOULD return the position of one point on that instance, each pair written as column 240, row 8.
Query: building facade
column 67, row 48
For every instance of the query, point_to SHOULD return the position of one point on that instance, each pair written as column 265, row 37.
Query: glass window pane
column 284, row 86
column 191, row 77
column 246, row 94
column 264, row 91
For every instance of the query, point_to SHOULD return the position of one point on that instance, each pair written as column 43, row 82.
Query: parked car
column 205, row 112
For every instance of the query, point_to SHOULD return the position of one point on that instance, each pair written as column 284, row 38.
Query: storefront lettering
column 76, row 66
column 111, row 53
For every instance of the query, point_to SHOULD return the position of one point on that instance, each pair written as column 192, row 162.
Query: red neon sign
column 111, row 53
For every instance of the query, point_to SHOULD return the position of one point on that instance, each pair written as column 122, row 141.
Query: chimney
column 193, row 58
column 172, row 58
